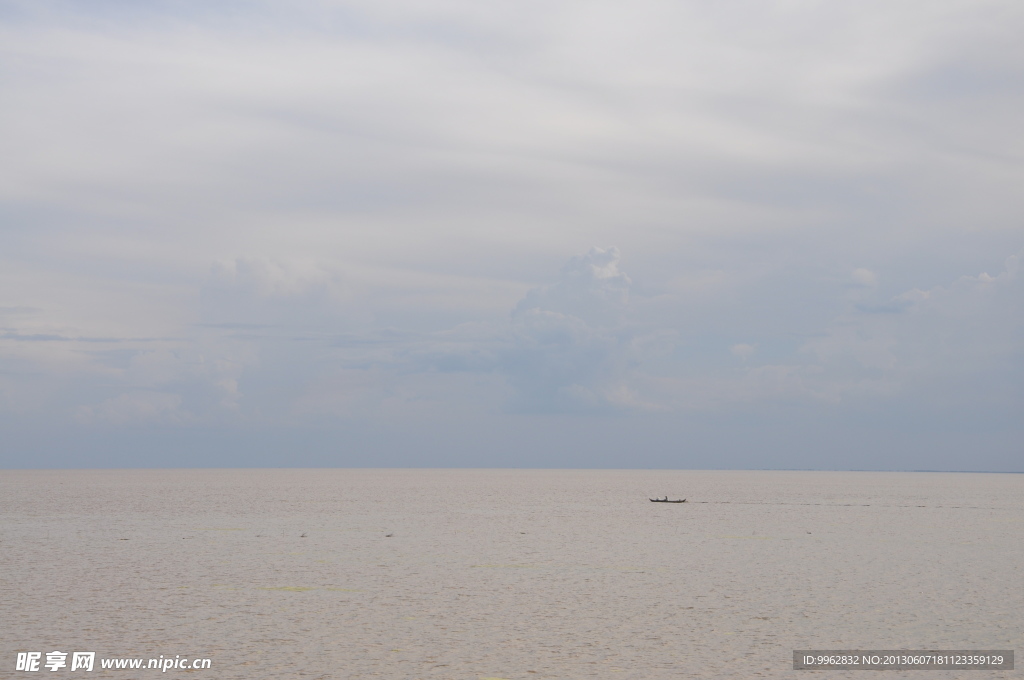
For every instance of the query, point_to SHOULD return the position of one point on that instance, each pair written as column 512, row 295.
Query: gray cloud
column 569, row 348
column 259, row 293
column 333, row 216
column 591, row 288
column 958, row 334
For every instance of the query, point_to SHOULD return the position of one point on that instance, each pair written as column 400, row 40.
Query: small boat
column 665, row 500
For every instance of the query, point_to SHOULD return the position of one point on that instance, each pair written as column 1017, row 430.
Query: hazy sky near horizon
column 773, row 234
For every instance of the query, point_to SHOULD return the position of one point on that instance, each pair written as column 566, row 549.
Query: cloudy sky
column 689, row 234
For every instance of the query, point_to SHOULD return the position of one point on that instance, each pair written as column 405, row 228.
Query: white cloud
column 963, row 331
column 273, row 279
column 591, row 287
column 865, row 278
column 259, row 291
column 134, row 408
column 569, row 346
column 742, row 350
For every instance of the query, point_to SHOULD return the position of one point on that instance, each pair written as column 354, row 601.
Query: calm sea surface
column 506, row 574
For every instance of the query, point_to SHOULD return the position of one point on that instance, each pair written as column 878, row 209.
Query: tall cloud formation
column 570, row 344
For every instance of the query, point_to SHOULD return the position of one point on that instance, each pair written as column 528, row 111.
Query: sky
column 736, row 235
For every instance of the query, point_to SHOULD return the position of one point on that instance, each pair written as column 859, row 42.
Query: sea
column 513, row 574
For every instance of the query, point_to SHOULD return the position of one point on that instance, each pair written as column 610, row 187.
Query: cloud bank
column 563, row 233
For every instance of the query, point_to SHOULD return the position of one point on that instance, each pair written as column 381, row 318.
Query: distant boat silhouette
column 665, row 500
